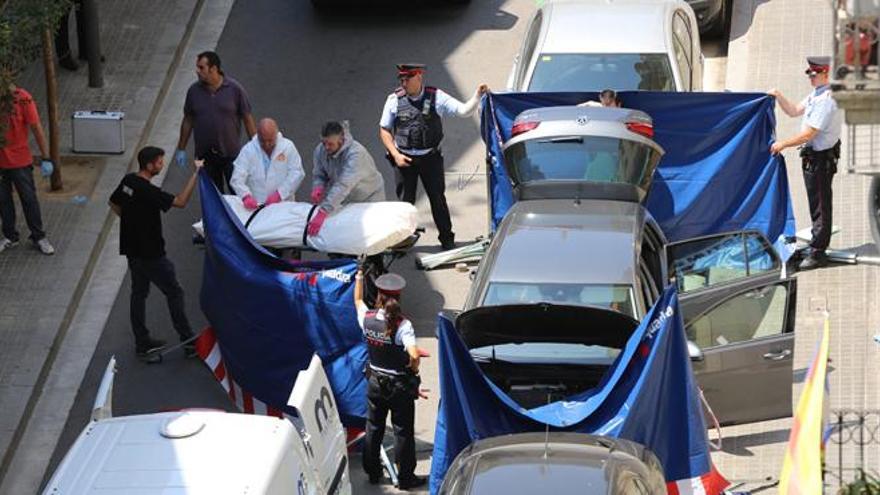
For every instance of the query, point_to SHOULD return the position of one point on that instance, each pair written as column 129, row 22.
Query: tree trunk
column 52, row 105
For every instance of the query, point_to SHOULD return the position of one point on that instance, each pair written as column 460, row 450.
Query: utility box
column 97, row 131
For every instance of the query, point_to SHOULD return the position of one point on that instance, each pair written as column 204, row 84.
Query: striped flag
column 802, row 466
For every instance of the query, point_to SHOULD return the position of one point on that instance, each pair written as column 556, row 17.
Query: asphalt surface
column 304, row 68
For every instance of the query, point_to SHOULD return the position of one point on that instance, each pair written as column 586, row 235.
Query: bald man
column 268, row 168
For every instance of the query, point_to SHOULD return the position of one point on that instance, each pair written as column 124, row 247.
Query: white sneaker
column 6, row 244
column 44, row 247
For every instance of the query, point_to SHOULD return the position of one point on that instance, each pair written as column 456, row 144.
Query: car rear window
column 616, row 297
column 582, row 158
column 595, row 72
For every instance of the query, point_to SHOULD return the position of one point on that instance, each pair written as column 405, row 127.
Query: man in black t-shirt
column 140, row 204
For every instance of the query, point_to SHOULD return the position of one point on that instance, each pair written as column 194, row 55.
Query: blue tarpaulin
column 270, row 316
column 717, row 175
column 648, row 395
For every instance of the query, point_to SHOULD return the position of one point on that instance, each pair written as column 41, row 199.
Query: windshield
column 582, row 158
column 615, row 297
column 595, row 72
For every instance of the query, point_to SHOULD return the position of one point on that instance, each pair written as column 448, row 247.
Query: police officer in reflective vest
column 393, row 379
column 411, row 131
column 820, row 135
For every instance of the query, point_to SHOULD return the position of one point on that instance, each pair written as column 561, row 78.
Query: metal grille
column 863, row 149
column 853, row 446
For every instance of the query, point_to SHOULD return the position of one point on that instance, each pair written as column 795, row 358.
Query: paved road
column 302, row 69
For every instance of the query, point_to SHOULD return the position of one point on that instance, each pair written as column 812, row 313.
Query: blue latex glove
column 46, row 167
column 180, row 158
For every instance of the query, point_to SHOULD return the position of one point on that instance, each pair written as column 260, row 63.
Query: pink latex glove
column 316, row 223
column 249, row 202
column 273, row 198
column 317, row 195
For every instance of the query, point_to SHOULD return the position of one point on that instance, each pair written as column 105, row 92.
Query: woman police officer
column 393, row 380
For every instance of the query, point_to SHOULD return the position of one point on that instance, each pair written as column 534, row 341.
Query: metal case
column 98, row 131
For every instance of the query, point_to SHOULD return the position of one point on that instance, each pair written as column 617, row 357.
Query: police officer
column 411, row 131
column 820, row 135
column 393, row 378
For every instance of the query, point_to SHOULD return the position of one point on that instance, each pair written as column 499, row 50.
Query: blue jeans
column 23, row 181
column 159, row 271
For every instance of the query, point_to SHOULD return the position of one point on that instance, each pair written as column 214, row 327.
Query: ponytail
column 392, row 315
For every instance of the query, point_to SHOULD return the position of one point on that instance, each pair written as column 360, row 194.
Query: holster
column 813, row 160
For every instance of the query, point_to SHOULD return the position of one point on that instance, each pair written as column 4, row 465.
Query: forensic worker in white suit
column 268, row 169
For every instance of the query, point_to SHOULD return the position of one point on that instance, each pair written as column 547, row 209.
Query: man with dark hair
column 215, row 107
column 139, row 204
column 17, row 170
column 343, row 172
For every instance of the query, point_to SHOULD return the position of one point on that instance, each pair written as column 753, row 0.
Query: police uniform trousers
column 384, row 395
column 430, row 169
column 819, row 169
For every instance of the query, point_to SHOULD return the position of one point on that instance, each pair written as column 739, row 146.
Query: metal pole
column 93, row 43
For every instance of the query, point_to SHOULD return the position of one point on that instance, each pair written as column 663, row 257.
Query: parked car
column 591, row 45
column 557, row 463
column 579, row 236
column 206, row 451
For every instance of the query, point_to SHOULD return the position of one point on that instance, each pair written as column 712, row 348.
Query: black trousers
column 383, row 396
column 819, row 171
column 219, row 169
column 158, row 271
column 430, row 169
column 22, row 179
column 62, row 36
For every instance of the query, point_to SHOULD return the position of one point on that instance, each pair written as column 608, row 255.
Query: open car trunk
column 540, row 353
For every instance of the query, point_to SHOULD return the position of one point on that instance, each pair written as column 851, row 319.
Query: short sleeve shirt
column 405, row 336
column 142, row 204
column 444, row 104
column 216, row 117
column 820, row 112
column 17, row 152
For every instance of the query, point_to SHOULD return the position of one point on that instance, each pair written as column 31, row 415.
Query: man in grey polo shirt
column 216, row 106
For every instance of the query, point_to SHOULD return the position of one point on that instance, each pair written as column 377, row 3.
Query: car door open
column 740, row 313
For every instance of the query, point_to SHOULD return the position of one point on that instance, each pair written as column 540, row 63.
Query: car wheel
column 722, row 24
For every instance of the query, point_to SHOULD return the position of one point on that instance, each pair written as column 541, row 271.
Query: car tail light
column 642, row 128
column 521, row 127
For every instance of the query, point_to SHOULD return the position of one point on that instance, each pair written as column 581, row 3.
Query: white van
column 591, row 45
column 211, row 452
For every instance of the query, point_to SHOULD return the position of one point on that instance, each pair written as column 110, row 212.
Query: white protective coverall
column 347, row 176
column 285, row 172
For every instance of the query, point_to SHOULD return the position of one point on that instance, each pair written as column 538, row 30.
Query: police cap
column 390, row 283
column 818, row 65
column 410, row 70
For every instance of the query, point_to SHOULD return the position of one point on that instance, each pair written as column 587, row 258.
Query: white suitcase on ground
column 98, row 131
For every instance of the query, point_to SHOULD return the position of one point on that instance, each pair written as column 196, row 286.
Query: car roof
column 563, row 462
column 583, row 121
column 185, row 451
column 619, row 26
column 567, row 241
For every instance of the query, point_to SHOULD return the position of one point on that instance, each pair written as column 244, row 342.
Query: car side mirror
column 694, row 351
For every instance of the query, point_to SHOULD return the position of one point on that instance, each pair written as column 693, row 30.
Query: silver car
column 557, row 463
column 591, row 45
column 579, row 242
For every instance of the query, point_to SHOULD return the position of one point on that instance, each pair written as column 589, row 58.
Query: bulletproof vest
column 417, row 124
column 384, row 353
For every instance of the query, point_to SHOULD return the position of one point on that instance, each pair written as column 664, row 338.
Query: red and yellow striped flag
column 802, row 467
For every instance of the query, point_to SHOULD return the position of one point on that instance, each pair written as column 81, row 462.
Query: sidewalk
column 769, row 43
column 40, row 296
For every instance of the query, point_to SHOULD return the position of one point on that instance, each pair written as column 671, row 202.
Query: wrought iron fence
column 852, row 446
